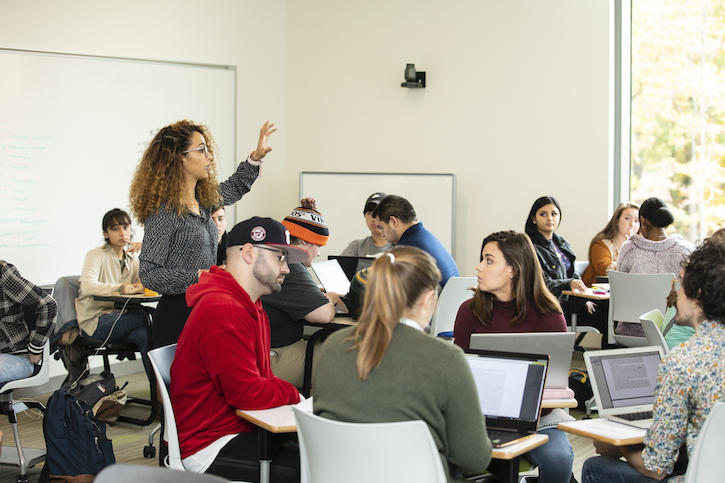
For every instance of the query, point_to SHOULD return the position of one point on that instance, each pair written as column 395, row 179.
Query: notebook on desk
column 352, row 265
column 623, row 383
column 558, row 345
column 510, row 387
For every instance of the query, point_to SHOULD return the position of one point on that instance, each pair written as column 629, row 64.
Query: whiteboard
column 72, row 130
column 341, row 197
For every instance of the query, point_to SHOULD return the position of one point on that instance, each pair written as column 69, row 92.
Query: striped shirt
column 16, row 296
column 176, row 247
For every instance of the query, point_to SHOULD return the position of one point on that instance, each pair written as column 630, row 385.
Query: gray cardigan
column 639, row 255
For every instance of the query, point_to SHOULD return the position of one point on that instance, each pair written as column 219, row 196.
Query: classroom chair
column 630, row 295
column 704, row 464
column 330, row 451
column 456, row 291
column 23, row 458
column 64, row 293
column 126, row 473
column 652, row 330
column 161, row 360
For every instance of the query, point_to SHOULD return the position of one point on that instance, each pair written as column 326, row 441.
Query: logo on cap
column 258, row 233
column 286, row 237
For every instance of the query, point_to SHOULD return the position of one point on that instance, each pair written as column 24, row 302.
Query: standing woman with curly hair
column 172, row 194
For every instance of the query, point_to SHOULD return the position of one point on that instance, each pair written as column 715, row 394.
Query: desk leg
column 264, row 459
column 309, row 354
column 506, row 471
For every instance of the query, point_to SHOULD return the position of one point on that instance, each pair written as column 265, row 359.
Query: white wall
column 516, row 104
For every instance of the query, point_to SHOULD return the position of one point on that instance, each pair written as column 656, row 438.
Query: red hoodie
column 222, row 364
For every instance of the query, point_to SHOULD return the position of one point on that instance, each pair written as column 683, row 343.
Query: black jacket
column 556, row 276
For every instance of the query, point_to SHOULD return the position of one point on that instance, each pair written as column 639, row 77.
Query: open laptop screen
column 625, row 380
column 509, row 385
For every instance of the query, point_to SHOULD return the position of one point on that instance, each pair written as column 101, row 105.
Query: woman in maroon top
column 511, row 296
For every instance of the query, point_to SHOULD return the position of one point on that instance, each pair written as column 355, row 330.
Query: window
column 677, row 130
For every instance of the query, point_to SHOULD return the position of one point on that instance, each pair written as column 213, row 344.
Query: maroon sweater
column 222, row 364
column 503, row 312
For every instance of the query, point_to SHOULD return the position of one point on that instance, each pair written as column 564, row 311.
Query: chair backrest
column 632, row 294
column 653, row 334
column 161, row 360
column 705, row 464
column 125, row 473
column 454, row 293
column 36, row 380
column 331, row 451
column 580, row 266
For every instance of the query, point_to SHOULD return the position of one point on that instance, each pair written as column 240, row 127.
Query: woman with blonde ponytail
column 388, row 369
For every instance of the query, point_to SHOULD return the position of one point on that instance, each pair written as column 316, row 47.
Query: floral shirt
column 689, row 382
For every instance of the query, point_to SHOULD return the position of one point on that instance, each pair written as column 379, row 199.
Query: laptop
column 558, row 345
column 623, row 383
column 331, row 276
column 352, row 265
column 510, row 387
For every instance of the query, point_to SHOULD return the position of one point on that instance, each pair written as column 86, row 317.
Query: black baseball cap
column 373, row 201
column 269, row 232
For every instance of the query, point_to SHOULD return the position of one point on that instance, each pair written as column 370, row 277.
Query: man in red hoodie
column 222, row 358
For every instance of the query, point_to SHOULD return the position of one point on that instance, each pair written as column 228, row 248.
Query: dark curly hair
column 704, row 278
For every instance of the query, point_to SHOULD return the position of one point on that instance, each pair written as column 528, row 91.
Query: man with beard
column 222, row 358
column 690, row 380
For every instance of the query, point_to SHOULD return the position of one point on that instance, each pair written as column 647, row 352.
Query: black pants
column 169, row 319
column 239, row 459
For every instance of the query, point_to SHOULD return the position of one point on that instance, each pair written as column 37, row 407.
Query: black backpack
column 76, row 443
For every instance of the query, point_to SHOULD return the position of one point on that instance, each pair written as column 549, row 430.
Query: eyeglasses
column 204, row 150
column 281, row 255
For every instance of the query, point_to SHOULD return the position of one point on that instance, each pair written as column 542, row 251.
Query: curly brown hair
column 159, row 175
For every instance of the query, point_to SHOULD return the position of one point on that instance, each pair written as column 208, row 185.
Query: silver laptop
column 510, row 387
column 558, row 345
column 331, row 276
column 623, row 383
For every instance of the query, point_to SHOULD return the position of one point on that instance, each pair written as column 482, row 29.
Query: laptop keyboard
column 500, row 438
column 636, row 416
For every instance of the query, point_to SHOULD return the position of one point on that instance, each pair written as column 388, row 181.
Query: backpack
column 579, row 383
column 101, row 393
column 77, row 447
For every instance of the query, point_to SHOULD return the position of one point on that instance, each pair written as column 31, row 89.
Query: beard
column 266, row 276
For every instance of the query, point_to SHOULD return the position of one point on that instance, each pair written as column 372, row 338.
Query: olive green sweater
column 420, row 377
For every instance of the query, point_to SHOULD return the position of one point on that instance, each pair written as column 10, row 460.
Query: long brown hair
column 159, row 175
column 395, row 281
column 528, row 285
column 610, row 231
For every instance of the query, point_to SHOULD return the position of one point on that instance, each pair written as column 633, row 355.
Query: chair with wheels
column 651, row 329
column 456, row 291
column 330, row 451
column 161, row 360
column 704, row 464
column 630, row 295
column 23, row 458
column 126, row 473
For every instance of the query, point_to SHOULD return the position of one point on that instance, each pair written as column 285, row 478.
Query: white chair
column 161, row 360
column 651, row 323
column 580, row 266
column 125, row 473
column 333, row 451
column 23, row 458
column 456, row 291
column 705, row 464
column 631, row 294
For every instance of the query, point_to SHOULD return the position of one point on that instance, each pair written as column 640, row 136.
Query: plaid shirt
column 16, row 296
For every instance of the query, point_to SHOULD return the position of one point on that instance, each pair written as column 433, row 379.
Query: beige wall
column 516, row 104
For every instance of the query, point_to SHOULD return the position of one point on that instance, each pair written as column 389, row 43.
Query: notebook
column 331, row 276
column 510, row 387
column 558, row 345
column 623, row 383
column 352, row 265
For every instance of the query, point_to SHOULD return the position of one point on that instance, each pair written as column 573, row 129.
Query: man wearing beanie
column 300, row 298
column 372, row 245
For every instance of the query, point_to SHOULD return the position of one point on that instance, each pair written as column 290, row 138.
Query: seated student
column 511, row 297
column 605, row 246
column 396, row 218
column 111, row 270
column 300, row 298
column 690, row 380
column 220, row 220
column 388, row 369
column 222, row 359
column 374, row 244
column 651, row 250
column 21, row 347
